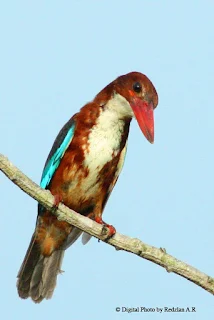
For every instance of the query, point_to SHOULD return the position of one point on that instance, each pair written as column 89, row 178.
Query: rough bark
column 119, row 241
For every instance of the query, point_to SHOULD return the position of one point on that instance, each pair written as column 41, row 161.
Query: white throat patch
column 105, row 137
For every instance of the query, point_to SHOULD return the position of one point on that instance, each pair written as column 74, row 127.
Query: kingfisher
column 81, row 171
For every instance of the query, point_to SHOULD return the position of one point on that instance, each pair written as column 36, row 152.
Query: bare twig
column 119, row 241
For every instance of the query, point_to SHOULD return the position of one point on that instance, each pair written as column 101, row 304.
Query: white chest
column 103, row 141
column 105, row 137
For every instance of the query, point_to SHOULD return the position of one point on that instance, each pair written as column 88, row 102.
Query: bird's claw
column 57, row 200
column 107, row 230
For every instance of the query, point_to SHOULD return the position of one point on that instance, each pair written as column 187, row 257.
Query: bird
column 81, row 171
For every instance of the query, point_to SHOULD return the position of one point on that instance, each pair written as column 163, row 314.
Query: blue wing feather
column 60, row 145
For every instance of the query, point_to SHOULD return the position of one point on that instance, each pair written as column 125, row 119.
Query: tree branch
column 119, row 241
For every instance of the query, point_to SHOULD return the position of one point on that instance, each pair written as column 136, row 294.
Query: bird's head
column 139, row 91
column 135, row 93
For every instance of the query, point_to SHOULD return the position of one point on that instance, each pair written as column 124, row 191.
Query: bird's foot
column 57, row 200
column 108, row 229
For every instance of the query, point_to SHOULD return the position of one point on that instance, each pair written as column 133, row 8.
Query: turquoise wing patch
column 60, row 146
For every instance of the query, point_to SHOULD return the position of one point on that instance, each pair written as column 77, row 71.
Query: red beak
column 145, row 117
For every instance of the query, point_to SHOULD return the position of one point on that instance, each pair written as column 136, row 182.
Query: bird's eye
column 137, row 87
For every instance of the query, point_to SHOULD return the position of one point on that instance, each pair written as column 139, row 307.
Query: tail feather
column 27, row 268
column 85, row 238
column 44, row 277
column 72, row 237
column 38, row 274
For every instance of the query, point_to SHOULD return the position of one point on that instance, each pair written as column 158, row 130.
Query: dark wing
column 60, row 145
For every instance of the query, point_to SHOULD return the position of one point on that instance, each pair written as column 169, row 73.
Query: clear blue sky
column 57, row 55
